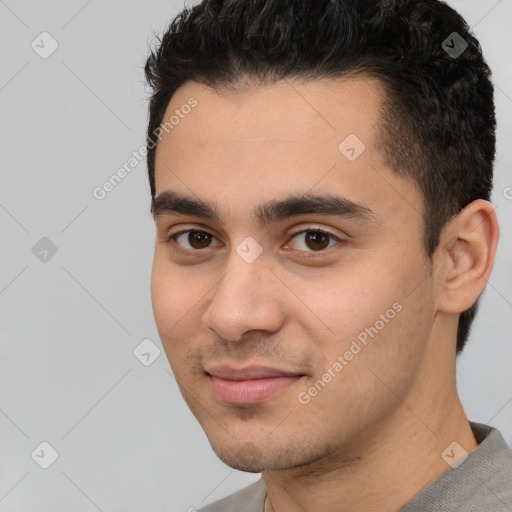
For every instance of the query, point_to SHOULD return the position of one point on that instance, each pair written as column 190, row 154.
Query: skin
column 372, row 438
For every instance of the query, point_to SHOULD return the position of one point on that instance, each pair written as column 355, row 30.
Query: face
column 289, row 282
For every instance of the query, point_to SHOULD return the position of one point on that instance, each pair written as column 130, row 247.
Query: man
column 320, row 175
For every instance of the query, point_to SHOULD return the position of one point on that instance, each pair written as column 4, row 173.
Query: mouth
column 251, row 385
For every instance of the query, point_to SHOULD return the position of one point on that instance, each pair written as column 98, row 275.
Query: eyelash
column 310, row 254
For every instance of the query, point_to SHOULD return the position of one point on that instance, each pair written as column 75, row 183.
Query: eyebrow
column 170, row 202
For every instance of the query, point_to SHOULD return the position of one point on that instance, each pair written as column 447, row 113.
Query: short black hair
column 438, row 121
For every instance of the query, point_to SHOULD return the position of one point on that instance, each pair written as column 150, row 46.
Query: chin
column 248, row 457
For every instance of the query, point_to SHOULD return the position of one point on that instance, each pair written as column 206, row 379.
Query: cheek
column 174, row 297
column 375, row 300
column 173, row 301
column 352, row 300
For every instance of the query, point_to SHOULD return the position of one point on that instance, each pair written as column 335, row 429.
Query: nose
column 245, row 299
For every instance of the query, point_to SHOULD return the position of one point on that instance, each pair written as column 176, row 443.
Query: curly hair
column 438, row 121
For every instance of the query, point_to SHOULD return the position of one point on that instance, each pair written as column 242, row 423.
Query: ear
column 467, row 251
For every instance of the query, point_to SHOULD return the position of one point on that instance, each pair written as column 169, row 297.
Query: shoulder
column 492, row 490
column 248, row 499
column 482, row 482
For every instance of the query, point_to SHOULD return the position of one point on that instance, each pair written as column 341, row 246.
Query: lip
column 250, row 385
column 248, row 373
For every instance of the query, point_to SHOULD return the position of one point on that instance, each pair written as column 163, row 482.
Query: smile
column 249, row 386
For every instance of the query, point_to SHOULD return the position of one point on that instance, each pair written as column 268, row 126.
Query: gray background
column 69, row 325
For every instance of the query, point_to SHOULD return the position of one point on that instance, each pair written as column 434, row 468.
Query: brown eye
column 199, row 239
column 193, row 239
column 313, row 240
column 317, row 240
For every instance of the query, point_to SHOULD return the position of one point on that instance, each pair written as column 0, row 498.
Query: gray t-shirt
column 482, row 483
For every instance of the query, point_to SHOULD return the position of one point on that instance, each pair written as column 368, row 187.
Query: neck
column 385, row 466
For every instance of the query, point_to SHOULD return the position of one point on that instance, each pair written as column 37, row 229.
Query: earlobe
column 469, row 246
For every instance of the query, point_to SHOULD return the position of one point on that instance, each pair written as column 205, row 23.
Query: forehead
column 260, row 142
column 287, row 115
